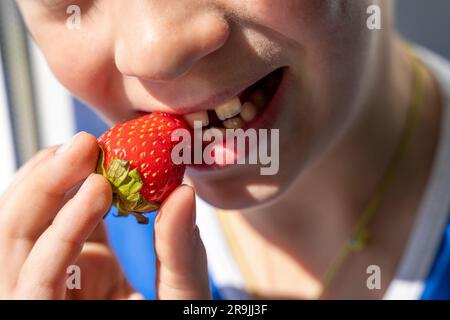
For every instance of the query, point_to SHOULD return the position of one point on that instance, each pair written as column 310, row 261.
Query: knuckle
column 42, row 158
column 44, row 153
column 101, row 184
column 69, row 240
column 164, row 238
column 14, row 235
column 100, row 191
column 176, row 286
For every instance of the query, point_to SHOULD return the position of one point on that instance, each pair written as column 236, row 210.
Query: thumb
column 182, row 272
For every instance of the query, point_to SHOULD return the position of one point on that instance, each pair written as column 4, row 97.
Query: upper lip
column 214, row 100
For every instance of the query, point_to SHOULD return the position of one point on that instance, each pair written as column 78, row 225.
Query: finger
column 43, row 274
column 40, row 194
column 102, row 276
column 181, row 258
column 99, row 235
column 16, row 217
column 17, row 250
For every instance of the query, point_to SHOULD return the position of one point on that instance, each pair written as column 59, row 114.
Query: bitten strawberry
column 136, row 159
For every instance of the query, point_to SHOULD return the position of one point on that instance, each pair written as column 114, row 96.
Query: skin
column 344, row 83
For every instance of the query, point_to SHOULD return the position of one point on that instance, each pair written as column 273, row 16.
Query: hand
column 48, row 224
column 182, row 272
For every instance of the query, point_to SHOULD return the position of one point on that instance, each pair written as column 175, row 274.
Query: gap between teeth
column 232, row 113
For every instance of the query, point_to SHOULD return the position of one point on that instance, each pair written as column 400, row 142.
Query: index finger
column 43, row 274
column 36, row 199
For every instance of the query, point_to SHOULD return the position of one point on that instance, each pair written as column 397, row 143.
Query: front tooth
column 229, row 109
column 197, row 116
column 234, row 123
column 249, row 112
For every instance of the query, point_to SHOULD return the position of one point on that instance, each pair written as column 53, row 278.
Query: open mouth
column 256, row 107
column 253, row 108
column 242, row 110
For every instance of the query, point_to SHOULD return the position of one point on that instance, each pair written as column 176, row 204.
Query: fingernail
column 66, row 146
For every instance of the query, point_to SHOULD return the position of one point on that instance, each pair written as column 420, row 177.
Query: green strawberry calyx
column 126, row 185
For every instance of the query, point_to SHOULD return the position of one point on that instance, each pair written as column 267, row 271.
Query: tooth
column 248, row 112
column 234, row 123
column 259, row 98
column 229, row 109
column 197, row 116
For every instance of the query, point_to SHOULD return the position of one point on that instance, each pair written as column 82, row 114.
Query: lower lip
column 264, row 120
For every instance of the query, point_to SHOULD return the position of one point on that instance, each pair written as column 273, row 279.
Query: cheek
column 330, row 59
column 85, row 70
column 304, row 20
column 329, row 39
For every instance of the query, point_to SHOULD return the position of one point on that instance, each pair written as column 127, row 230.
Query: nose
column 162, row 40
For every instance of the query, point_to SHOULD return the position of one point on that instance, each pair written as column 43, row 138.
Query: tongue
column 222, row 155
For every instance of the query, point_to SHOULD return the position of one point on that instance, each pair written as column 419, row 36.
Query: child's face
column 184, row 56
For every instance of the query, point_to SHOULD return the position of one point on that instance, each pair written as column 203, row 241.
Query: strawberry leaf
column 126, row 187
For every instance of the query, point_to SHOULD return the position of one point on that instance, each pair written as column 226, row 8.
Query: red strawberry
column 136, row 159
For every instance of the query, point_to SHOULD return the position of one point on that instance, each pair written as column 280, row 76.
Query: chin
column 243, row 188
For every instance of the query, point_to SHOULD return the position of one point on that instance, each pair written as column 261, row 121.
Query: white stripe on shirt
column 431, row 221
